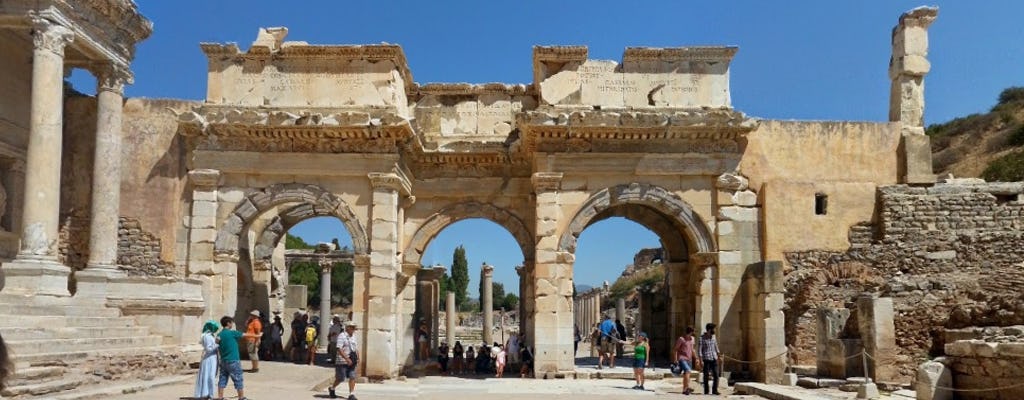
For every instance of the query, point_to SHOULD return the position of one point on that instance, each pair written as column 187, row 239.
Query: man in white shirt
column 513, row 349
column 346, row 361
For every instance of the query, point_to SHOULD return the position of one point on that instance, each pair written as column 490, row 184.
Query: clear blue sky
column 798, row 59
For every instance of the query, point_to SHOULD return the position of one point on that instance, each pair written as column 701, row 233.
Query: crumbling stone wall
column 950, row 255
column 987, row 370
column 138, row 251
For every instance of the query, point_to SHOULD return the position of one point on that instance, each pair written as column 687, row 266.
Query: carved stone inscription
column 307, row 83
column 648, row 83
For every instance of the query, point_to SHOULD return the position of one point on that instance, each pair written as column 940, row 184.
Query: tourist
column 686, row 358
column 499, row 361
column 230, row 361
column 253, row 333
column 526, row 355
column 640, row 360
column 576, row 337
column 483, row 359
column 470, row 359
column 207, row 378
column 595, row 342
column 346, row 361
column 442, row 357
column 311, row 336
column 457, row 358
column 276, row 336
column 709, row 356
column 621, row 330
column 512, row 349
column 332, row 338
column 609, row 337
column 423, row 342
column 298, row 337
column 266, row 342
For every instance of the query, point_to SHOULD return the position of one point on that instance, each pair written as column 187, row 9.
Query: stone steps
column 58, row 310
column 23, row 376
column 71, row 333
column 28, row 348
column 45, row 387
column 59, row 321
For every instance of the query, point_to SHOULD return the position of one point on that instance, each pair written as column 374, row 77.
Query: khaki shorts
column 253, row 348
column 607, row 346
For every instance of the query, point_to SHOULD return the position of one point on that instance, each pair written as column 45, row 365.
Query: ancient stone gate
column 291, row 131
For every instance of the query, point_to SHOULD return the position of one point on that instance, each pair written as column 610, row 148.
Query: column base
column 95, row 281
column 30, row 277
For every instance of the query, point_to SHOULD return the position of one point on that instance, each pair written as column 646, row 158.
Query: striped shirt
column 708, row 347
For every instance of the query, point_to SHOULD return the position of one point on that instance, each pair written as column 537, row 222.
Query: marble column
column 487, row 301
column 106, row 182
column 450, row 314
column 325, row 299
column 35, row 270
column 521, row 272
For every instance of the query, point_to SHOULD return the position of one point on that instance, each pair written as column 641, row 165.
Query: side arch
column 600, row 206
column 310, row 200
column 457, row 212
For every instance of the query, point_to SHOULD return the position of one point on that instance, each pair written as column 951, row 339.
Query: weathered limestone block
column 877, row 328
column 932, row 377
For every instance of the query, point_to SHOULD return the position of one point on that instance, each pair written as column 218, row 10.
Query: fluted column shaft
column 106, row 177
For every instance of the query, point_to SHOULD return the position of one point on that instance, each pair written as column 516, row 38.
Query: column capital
column 389, row 181
column 361, row 261
column 487, row 270
column 546, row 181
column 206, row 179
column 49, row 35
column 111, row 77
column 325, row 263
column 431, row 273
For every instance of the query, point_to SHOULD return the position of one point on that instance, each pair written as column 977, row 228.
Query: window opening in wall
column 1005, row 198
column 820, row 204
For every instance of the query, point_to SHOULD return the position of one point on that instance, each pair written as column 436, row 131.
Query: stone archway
column 682, row 233
column 466, row 210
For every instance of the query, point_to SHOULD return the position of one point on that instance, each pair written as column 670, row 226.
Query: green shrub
column 1013, row 94
column 646, row 278
column 1016, row 137
column 1008, row 168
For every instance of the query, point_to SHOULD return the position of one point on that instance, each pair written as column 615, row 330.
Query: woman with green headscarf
column 206, row 382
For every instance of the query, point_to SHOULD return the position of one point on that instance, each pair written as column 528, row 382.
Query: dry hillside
column 989, row 145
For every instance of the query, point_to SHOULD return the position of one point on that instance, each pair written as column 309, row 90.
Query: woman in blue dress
column 206, row 382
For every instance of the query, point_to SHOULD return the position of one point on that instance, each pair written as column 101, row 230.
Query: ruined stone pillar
column 450, row 314
column 487, row 301
column 521, row 273
column 428, row 297
column 35, row 270
column 768, row 336
column 907, row 69
column 703, row 264
column 878, row 333
column 382, row 295
column 202, row 228
column 552, row 282
column 830, row 350
column 325, row 299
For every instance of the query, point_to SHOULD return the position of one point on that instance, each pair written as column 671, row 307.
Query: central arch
column 466, row 210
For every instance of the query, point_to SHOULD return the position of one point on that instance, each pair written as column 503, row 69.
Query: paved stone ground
column 283, row 380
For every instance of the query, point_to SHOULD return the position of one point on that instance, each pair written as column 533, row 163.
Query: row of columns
column 587, row 307
column 36, row 269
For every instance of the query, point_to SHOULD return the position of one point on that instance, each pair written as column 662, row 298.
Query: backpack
column 310, row 334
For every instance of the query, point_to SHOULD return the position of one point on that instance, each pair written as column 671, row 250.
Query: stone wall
column 987, row 370
column 138, row 251
column 950, row 256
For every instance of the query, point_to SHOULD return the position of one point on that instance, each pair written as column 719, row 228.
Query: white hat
column 255, row 313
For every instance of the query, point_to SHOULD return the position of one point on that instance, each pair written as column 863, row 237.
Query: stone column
column 552, row 282
column 35, row 270
column 521, row 272
column 703, row 265
column 451, row 313
column 428, row 286
column 325, row 299
column 767, row 323
column 907, row 69
column 382, row 300
column 487, row 301
column 106, row 183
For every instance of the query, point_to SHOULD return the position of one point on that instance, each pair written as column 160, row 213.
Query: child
column 499, row 361
column 640, row 360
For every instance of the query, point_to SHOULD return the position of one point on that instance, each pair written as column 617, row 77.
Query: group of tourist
column 485, row 359
column 221, row 359
column 705, row 356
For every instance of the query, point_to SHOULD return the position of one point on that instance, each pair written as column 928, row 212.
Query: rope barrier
column 755, row 362
column 1015, row 385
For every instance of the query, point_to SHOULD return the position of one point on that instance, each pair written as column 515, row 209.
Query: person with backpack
column 311, row 342
column 609, row 337
column 299, row 324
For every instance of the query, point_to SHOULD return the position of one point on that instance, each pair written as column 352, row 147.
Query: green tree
column 341, row 284
column 460, row 276
column 295, row 242
column 511, row 301
column 307, row 273
column 498, row 295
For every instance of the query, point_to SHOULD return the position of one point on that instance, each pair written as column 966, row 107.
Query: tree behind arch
column 460, row 276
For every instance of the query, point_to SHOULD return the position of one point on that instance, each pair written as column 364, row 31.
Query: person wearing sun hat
column 206, row 381
column 253, row 333
column 346, row 361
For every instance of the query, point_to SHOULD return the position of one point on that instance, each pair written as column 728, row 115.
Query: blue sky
column 798, row 59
